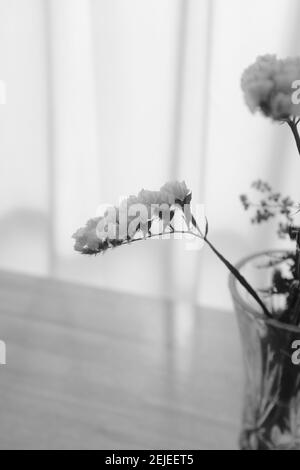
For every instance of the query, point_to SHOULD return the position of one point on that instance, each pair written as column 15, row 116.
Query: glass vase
column 271, row 409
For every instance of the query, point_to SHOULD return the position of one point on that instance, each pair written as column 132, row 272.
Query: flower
column 148, row 197
column 86, row 239
column 134, row 215
column 155, row 202
column 268, row 86
column 175, row 192
column 108, row 225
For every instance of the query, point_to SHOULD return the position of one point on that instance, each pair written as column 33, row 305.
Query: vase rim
column 249, row 309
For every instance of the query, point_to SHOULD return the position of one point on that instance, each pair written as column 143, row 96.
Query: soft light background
column 107, row 96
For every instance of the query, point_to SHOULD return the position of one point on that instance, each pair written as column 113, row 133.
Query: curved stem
column 239, row 277
column 235, row 273
column 160, row 234
column 229, row 266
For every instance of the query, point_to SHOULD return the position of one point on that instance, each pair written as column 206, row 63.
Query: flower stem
column 233, row 270
column 239, row 277
column 229, row 266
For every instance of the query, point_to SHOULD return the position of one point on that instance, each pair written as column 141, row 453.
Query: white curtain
column 107, row 96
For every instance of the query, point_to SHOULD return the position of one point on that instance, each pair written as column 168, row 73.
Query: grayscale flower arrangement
column 271, row 86
column 267, row 86
column 271, row 418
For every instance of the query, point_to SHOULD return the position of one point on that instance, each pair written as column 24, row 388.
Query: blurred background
column 105, row 97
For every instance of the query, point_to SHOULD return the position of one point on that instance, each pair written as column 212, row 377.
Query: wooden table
column 94, row 369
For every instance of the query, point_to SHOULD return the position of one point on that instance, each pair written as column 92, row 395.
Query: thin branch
column 240, row 278
column 200, row 235
column 235, row 273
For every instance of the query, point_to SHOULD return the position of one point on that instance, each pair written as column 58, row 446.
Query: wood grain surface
column 94, row 369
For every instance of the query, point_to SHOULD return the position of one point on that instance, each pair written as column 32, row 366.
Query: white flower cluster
column 135, row 215
column 268, row 86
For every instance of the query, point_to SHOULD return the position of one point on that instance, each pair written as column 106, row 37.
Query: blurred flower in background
column 268, row 86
